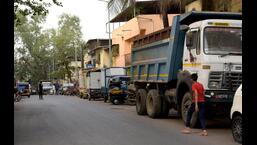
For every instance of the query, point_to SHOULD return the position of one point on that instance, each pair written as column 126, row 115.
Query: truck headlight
column 214, row 85
column 215, row 80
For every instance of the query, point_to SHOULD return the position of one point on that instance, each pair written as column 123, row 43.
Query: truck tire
column 185, row 104
column 89, row 97
column 105, row 98
column 236, row 126
column 153, row 104
column 165, row 108
column 115, row 102
column 86, row 96
column 141, row 101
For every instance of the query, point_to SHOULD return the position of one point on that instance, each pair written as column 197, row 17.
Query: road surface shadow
column 218, row 123
column 97, row 99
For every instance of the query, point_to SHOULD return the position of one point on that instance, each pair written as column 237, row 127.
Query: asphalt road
column 68, row 120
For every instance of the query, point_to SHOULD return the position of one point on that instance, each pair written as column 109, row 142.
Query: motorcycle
column 17, row 96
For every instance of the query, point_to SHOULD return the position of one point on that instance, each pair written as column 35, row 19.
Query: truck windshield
column 222, row 40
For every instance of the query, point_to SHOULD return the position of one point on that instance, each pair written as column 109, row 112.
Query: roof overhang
column 195, row 16
column 147, row 7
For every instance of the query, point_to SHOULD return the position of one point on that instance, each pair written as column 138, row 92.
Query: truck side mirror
column 184, row 27
column 189, row 40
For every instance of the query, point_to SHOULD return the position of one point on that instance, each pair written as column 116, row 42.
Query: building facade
column 124, row 36
column 97, row 54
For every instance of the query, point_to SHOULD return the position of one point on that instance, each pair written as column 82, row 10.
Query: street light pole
column 110, row 46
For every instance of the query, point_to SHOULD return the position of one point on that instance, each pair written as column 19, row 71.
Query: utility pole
column 76, row 66
column 109, row 32
column 82, row 55
column 49, row 68
column 110, row 45
column 53, row 64
column 134, row 8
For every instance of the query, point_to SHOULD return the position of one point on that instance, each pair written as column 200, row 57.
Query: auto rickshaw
column 118, row 89
column 23, row 88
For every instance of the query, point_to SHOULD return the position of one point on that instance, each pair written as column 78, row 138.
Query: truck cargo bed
column 156, row 58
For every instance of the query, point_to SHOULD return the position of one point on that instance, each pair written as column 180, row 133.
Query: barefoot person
column 197, row 105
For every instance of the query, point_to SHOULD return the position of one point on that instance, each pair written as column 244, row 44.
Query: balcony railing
column 152, row 37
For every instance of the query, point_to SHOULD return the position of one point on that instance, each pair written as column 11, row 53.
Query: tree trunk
column 165, row 20
column 82, row 57
column 68, row 72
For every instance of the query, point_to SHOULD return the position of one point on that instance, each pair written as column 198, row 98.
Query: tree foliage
column 66, row 39
column 31, row 8
column 38, row 51
column 32, row 46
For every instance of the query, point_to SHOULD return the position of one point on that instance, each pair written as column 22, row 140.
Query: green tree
column 32, row 50
column 65, row 40
column 31, row 8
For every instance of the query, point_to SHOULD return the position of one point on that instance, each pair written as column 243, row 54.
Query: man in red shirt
column 197, row 105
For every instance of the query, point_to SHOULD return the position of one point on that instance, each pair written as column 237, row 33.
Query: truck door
column 191, row 59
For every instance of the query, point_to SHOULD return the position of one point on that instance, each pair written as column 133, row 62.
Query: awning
column 195, row 16
column 145, row 7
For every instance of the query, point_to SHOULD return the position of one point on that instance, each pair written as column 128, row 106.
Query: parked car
column 24, row 88
column 33, row 91
column 64, row 90
column 236, row 115
column 48, row 88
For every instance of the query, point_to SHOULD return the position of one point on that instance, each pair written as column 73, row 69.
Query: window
column 98, row 58
column 196, row 41
column 115, row 50
column 198, row 50
column 222, row 40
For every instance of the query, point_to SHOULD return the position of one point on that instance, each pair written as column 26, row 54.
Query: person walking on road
column 40, row 90
column 197, row 105
column 57, row 86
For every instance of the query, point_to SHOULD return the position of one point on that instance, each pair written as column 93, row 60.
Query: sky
column 93, row 16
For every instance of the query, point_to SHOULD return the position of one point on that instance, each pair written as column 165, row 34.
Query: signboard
column 87, row 66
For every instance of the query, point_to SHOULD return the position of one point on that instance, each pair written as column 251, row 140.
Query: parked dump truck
column 206, row 43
